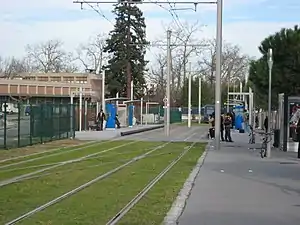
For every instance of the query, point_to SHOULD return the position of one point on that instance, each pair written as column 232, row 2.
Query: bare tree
column 157, row 76
column 2, row 66
column 49, row 56
column 91, row 55
column 234, row 63
column 184, row 45
column 11, row 67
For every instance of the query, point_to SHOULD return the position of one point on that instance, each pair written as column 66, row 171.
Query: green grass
column 65, row 154
column 21, row 169
column 97, row 203
column 48, row 152
column 59, row 150
column 36, row 148
column 17, row 198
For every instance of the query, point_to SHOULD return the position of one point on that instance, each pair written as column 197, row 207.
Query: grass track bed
column 62, row 150
column 38, row 148
column 69, row 155
column 99, row 202
column 20, row 197
column 109, row 155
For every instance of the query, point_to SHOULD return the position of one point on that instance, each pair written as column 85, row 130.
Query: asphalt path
column 235, row 186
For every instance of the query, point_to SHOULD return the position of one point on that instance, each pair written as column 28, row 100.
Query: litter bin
column 276, row 143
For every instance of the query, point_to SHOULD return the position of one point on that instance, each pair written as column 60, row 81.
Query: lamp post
column 190, row 96
column 228, row 98
column 270, row 65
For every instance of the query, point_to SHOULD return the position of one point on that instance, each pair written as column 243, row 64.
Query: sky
column 245, row 22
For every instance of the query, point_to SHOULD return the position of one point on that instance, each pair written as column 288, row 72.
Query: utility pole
column 190, row 95
column 228, row 89
column 218, row 75
column 199, row 99
column 241, row 90
column 128, row 67
column 103, row 92
column 168, row 81
column 219, row 48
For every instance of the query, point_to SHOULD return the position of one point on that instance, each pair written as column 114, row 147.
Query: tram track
column 83, row 186
column 27, row 176
column 92, row 166
column 87, row 184
column 118, row 216
column 59, row 162
column 43, row 152
column 61, row 151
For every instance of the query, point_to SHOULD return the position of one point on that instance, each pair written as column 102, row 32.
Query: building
column 50, row 87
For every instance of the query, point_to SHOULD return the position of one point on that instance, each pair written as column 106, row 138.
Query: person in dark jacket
column 266, row 124
column 256, row 121
column 298, row 137
column 117, row 121
column 227, row 124
column 100, row 119
column 212, row 126
column 222, row 127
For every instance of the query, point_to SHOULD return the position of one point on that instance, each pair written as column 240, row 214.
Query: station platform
column 110, row 134
column 235, row 186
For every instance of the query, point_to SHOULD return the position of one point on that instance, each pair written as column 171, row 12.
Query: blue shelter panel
column 239, row 110
column 111, row 111
column 130, row 115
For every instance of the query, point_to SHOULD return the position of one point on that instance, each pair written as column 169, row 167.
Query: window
column 56, row 79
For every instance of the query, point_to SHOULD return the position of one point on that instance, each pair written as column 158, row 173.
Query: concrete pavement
column 177, row 133
column 236, row 187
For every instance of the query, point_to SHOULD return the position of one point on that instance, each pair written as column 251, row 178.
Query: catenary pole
column 218, row 75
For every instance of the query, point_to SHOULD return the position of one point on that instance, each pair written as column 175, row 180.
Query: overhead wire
column 170, row 10
column 98, row 11
column 173, row 14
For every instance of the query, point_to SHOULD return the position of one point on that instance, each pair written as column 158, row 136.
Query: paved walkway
column 236, row 187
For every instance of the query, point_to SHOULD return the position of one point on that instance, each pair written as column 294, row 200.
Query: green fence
column 175, row 113
column 22, row 125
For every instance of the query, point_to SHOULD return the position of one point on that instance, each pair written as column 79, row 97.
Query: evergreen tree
column 124, row 47
column 286, row 67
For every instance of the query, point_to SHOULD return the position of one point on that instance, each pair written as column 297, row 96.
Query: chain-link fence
column 22, row 125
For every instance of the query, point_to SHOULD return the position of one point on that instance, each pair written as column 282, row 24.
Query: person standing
column 298, row 137
column 222, row 127
column 232, row 115
column 256, row 121
column 227, row 124
column 100, row 119
column 212, row 126
column 266, row 124
column 246, row 121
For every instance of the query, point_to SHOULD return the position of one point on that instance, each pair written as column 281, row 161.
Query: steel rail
column 114, row 220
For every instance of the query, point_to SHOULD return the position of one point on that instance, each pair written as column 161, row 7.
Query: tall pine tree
column 127, row 43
